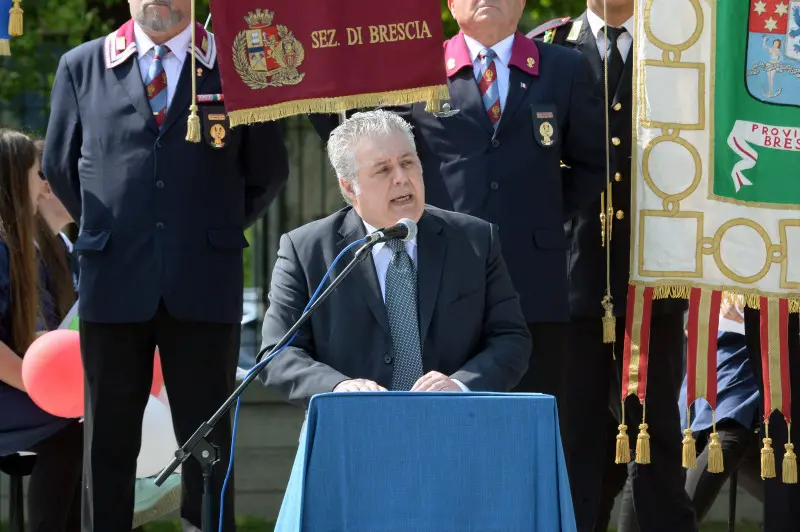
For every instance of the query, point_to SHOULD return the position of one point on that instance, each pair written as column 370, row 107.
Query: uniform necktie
column 489, row 86
column 615, row 62
column 156, row 85
column 401, row 306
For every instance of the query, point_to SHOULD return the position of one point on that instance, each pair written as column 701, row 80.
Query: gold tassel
column 623, row 446
column 5, row 47
column 689, row 450
column 193, row 126
column 15, row 21
column 789, row 465
column 715, row 461
column 609, row 321
column 643, row 445
column 767, row 460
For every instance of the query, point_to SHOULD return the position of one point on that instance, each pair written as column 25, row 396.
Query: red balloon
column 52, row 372
column 158, row 376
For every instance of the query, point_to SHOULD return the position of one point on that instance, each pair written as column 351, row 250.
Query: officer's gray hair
column 345, row 138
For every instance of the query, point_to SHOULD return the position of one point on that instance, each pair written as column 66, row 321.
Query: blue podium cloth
column 401, row 461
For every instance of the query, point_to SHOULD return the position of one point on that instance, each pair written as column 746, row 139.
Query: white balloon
column 158, row 439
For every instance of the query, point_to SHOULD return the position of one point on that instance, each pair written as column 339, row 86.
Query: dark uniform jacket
column 586, row 253
column 160, row 217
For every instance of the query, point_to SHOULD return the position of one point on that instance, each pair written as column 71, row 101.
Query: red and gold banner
column 283, row 57
column 634, row 369
column 777, row 392
column 701, row 370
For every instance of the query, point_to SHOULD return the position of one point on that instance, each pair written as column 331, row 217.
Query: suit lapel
column 467, row 97
column 587, row 45
column 183, row 92
column 518, row 83
column 624, row 89
column 130, row 77
column 364, row 275
column 431, row 250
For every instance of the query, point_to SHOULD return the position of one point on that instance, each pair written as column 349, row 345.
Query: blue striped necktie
column 156, row 85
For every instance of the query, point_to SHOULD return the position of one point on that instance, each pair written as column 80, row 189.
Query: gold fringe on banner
column 672, row 292
column 5, row 47
column 15, row 21
column 337, row 105
column 752, row 301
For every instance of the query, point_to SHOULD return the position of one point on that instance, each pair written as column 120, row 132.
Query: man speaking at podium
column 436, row 313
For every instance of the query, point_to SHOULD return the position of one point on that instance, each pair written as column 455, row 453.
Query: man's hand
column 435, row 382
column 359, row 385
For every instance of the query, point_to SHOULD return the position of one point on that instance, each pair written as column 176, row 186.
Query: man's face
column 160, row 15
column 473, row 13
column 388, row 183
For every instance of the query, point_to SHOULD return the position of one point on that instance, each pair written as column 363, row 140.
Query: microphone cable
column 266, row 361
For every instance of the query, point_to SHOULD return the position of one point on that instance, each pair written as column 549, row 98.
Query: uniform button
column 620, row 215
column 159, row 184
column 387, row 359
column 617, row 106
column 617, row 177
column 495, row 143
column 615, row 141
column 159, row 225
column 494, row 185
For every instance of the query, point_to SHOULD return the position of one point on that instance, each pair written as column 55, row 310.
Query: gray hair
column 343, row 139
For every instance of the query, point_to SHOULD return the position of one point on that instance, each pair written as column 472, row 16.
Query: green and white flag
column 717, row 154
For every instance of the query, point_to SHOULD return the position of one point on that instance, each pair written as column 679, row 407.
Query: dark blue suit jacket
column 160, row 218
column 508, row 176
column 470, row 321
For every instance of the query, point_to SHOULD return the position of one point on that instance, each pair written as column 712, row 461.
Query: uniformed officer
column 518, row 109
column 598, row 233
column 161, row 239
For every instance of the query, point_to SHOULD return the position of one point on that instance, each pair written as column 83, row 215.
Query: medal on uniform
column 215, row 123
column 545, row 125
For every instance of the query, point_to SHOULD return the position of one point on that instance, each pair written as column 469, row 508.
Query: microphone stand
column 207, row 454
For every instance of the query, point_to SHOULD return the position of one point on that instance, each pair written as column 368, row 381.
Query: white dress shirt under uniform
column 624, row 42
column 172, row 63
column 503, row 51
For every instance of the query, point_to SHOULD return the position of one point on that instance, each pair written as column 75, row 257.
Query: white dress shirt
column 173, row 63
column 503, row 51
column 624, row 41
column 382, row 256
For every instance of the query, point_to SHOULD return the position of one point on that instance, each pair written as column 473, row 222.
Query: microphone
column 405, row 229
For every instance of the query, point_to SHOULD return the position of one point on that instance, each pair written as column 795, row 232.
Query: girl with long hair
column 26, row 309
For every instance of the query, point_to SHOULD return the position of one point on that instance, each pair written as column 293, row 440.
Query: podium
column 444, row 462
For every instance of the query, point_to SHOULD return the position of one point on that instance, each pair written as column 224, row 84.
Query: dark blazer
column 160, row 218
column 469, row 316
column 587, row 256
column 509, row 176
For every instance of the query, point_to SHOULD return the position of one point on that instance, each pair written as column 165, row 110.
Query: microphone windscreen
column 411, row 225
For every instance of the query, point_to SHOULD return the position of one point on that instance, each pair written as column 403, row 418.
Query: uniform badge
column 451, row 64
column 121, row 44
column 531, row 62
column 545, row 125
column 216, row 126
column 575, row 31
column 447, row 111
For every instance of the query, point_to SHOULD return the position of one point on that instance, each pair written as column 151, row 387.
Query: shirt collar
column 596, row 24
column 178, row 45
column 502, row 49
column 379, row 246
